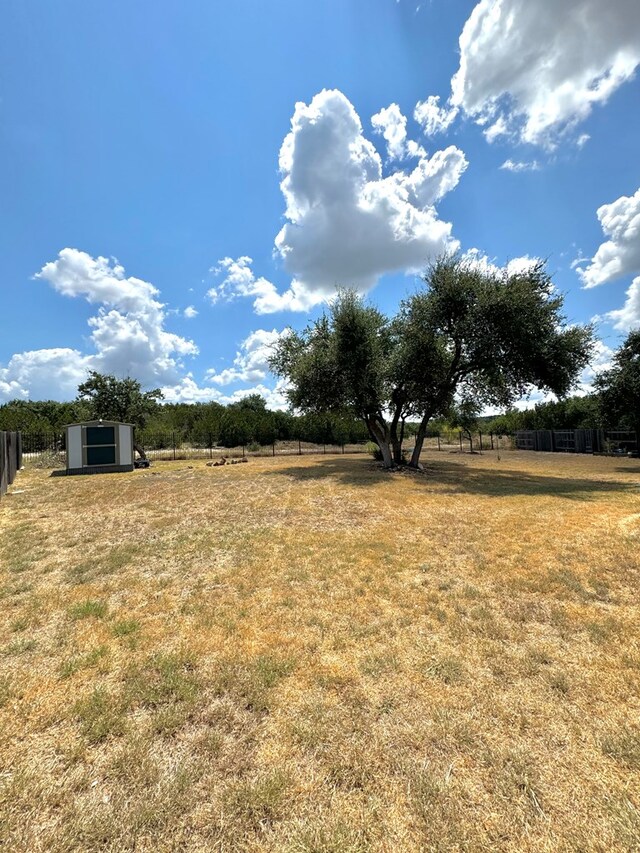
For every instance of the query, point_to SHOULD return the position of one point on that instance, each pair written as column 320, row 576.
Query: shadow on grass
column 456, row 478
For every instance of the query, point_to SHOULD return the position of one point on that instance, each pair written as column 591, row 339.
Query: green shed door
column 105, row 455
column 100, row 435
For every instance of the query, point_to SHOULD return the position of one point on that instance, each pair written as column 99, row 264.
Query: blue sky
column 183, row 139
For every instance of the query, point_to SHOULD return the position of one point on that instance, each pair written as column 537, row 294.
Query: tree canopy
column 469, row 334
column 118, row 399
column 619, row 387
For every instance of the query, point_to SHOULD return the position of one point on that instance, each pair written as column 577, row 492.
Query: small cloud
column 433, row 118
column 392, row 124
column 190, row 312
column 520, row 166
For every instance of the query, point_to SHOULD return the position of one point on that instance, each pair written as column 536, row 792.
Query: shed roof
column 99, row 423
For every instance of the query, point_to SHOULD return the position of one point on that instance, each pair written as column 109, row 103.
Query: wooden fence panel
column 10, row 458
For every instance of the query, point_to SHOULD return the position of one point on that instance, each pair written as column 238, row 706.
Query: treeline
column 572, row 413
column 245, row 422
column 249, row 421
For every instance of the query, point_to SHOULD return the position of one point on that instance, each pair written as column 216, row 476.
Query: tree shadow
column 457, row 478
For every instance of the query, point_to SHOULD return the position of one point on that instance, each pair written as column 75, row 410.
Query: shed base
column 101, row 469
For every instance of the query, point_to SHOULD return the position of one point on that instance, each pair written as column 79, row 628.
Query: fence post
column 299, row 448
column 274, row 448
column 324, row 448
column 460, row 437
column 243, row 451
column 343, row 449
column 210, row 446
column 438, row 437
column 480, row 434
column 173, row 441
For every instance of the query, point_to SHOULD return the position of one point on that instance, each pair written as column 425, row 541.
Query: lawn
column 310, row 654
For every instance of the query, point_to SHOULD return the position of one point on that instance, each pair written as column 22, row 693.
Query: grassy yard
column 311, row 655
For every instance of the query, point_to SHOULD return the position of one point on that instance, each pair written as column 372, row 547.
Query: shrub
column 374, row 450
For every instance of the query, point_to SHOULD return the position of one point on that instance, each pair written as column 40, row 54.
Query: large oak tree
column 469, row 333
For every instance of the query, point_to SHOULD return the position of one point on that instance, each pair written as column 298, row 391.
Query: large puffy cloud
column 251, row 363
column 128, row 333
column 347, row 224
column 620, row 254
column 128, row 330
column 536, row 68
column 43, row 374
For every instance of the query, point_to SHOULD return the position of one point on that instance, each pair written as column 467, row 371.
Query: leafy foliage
column 115, row 399
column 470, row 334
column 619, row 387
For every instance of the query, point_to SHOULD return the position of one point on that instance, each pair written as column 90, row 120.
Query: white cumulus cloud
column 240, row 280
column 535, row 69
column 44, row 374
column 347, row 224
column 620, row 254
column 128, row 334
column 251, row 361
column 187, row 390
column 628, row 317
column 190, row 312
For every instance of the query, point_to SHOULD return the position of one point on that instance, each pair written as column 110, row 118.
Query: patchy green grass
column 309, row 655
column 88, row 609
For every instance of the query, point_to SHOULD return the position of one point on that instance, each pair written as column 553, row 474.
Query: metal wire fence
column 47, row 450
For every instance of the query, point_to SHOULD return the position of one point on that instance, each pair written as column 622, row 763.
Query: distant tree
column 470, row 334
column 252, row 403
column 235, row 428
column 123, row 400
column 619, row 387
column 464, row 416
column 506, row 424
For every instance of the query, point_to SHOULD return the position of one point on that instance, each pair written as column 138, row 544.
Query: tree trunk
column 139, row 450
column 380, row 434
column 396, row 442
column 420, row 436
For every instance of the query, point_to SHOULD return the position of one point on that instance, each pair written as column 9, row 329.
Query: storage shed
column 99, row 447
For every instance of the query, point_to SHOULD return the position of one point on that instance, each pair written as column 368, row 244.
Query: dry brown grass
column 310, row 655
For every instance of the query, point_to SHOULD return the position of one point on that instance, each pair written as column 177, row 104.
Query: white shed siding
column 74, row 447
column 125, row 438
